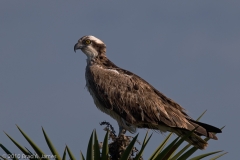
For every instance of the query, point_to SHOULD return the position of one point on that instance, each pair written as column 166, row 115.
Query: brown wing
column 135, row 100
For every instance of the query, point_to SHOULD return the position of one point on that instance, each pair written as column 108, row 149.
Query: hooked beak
column 77, row 46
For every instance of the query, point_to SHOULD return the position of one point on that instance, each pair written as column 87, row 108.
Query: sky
column 188, row 50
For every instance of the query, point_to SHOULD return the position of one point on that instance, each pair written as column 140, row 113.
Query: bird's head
column 91, row 46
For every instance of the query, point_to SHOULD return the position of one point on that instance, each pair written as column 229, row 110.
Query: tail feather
column 208, row 127
column 205, row 129
column 201, row 129
column 193, row 139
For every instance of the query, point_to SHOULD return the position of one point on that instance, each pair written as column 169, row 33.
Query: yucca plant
column 121, row 148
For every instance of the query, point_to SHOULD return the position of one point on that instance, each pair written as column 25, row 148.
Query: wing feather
column 122, row 93
column 134, row 99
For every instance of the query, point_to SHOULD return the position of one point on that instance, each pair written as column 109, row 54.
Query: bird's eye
column 87, row 41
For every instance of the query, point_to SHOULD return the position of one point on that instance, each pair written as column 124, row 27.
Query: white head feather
column 89, row 50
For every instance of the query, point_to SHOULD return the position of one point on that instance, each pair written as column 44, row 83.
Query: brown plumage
column 132, row 101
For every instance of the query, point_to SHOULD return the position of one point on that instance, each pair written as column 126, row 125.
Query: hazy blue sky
column 188, row 50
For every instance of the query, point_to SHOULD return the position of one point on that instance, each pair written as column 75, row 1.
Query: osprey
column 132, row 101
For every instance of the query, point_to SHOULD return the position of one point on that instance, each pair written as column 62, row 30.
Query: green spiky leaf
column 204, row 155
column 218, row 156
column 71, row 156
column 3, row 158
column 125, row 155
column 183, row 139
column 96, row 146
column 51, row 147
column 64, row 153
column 201, row 115
column 181, row 152
column 8, row 152
column 160, row 147
column 81, row 155
column 105, row 147
column 39, row 152
column 18, row 145
column 145, row 142
column 164, row 153
column 90, row 148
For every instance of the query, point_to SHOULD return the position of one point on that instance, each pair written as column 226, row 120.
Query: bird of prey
column 132, row 101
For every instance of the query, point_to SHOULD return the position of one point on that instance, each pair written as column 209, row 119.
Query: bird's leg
column 121, row 131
